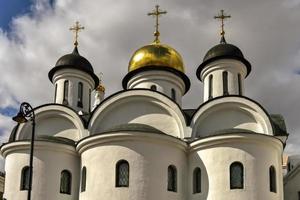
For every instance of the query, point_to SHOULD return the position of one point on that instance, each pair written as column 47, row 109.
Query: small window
column 65, row 182
column 210, row 86
column 55, row 93
column 122, row 174
column 240, row 84
column 272, row 174
column 236, row 175
column 197, row 180
column 90, row 93
column 172, row 178
column 66, row 92
column 289, row 166
column 80, row 94
column 173, row 94
column 153, row 87
column 25, row 178
column 225, row 83
column 83, row 179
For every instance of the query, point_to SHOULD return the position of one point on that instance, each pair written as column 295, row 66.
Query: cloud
column 265, row 30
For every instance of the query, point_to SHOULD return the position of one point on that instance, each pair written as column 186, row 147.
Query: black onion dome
column 74, row 61
column 223, row 51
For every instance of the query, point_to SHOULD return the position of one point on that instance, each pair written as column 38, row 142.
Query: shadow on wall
column 194, row 193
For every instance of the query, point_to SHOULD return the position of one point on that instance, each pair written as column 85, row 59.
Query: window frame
column 231, row 168
column 55, row 93
column 25, row 173
column 80, row 95
column 153, row 87
column 240, row 84
column 66, row 92
column 272, row 179
column 172, row 184
column 118, row 174
column 197, row 180
column 69, row 188
column 210, row 86
column 225, row 83
column 173, row 94
column 83, row 179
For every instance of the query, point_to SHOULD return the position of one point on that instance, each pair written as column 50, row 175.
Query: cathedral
column 139, row 143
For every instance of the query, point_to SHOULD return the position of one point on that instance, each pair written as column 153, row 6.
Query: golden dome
column 158, row 55
column 100, row 88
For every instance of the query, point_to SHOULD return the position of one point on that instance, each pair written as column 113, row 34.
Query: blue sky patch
column 8, row 111
column 12, row 8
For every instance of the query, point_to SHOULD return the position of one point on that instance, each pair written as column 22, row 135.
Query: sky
column 35, row 33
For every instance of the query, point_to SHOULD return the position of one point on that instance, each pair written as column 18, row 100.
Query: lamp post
column 26, row 113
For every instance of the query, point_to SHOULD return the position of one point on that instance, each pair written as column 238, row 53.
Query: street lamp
column 26, row 113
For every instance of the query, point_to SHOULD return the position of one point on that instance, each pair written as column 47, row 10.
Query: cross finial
column 157, row 13
column 222, row 16
column 76, row 29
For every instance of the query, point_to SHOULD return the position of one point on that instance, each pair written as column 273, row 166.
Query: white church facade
column 140, row 144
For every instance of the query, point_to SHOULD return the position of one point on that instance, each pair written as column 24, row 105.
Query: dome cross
column 222, row 16
column 157, row 13
column 76, row 29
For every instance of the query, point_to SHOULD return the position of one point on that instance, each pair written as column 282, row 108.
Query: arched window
column 153, row 87
column 122, row 174
column 80, row 94
column 210, row 86
column 83, row 179
column 25, row 178
column 272, row 174
column 172, row 178
column 90, row 93
column 173, row 94
column 55, row 93
column 236, row 175
column 65, row 182
column 225, row 83
column 197, row 180
column 66, row 92
column 240, row 84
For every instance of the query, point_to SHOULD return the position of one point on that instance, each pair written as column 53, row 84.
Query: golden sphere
column 156, row 55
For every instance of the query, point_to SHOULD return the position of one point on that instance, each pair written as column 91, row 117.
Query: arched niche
column 139, row 107
column 230, row 114
column 53, row 120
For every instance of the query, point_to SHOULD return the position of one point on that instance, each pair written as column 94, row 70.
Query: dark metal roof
column 223, row 51
column 188, row 113
column 278, row 125
column 74, row 61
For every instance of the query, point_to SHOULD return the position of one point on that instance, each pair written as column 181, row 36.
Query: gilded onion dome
column 156, row 55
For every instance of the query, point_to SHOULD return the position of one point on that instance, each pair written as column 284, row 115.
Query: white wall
column 230, row 113
column 214, row 156
column 74, row 77
column 163, row 80
column 49, row 160
column 149, row 156
column 216, row 69
column 139, row 106
column 54, row 120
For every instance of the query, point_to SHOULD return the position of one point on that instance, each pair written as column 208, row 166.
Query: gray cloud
column 267, row 32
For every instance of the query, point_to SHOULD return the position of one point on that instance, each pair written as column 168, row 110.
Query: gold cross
column 76, row 29
column 222, row 16
column 156, row 13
